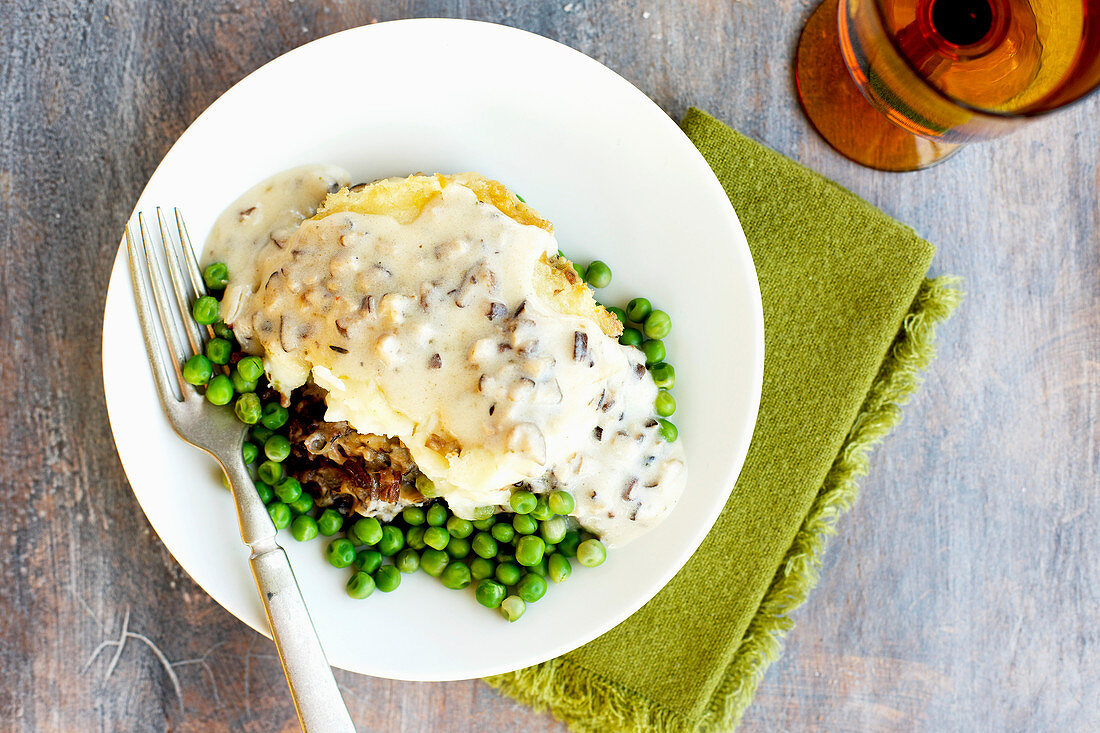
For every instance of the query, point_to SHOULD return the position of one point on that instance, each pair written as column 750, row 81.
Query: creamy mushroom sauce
column 432, row 332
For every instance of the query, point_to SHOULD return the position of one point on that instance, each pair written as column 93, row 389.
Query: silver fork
column 217, row 431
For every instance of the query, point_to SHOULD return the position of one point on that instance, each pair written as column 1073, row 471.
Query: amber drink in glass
column 900, row 84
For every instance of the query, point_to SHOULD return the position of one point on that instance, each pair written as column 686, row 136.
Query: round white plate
column 592, row 154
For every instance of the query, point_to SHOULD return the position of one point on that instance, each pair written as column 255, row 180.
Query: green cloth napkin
column 849, row 324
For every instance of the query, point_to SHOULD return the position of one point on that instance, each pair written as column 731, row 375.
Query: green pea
column 523, row 501
column 251, row 367
column 559, row 568
column 503, row 532
column 260, row 434
column 387, row 578
column 512, row 608
column 240, row 384
column 664, row 376
column 484, row 545
column 490, row 593
column 591, row 553
column 205, row 310
column 198, row 370
column 223, row 331
column 274, row 416
column 508, row 573
column 249, row 451
column 270, row 472
column 665, row 404
column 436, row 515
column 456, row 575
column 367, row 531
column 413, row 516
column 277, row 447
column 539, row 568
column 482, row 513
column 506, row 557
column 654, row 351
column 579, row 270
column 302, row 505
column 657, row 325
column 437, row 538
column 393, row 539
column 426, row 487
column 247, row 408
column 484, row 525
column 618, row 313
column 638, row 309
column 340, row 553
column 598, row 274
column 219, row 390
column 531, row 588
column 542, row 510
column 553, row 530
column 304, row 528
column 459, row 527
column 561, row 502
column 218, row 350
column 280, row 514
column 668, row 430
column 216, row 276
column 631, row 337
column 482, row 568
column 569, row 543
column 433, row 562
column 288, row 490
column 407, row 561
column 264, row 492
column 414, row 538
column 524, row 524
column 330, row 522
column 458, row 547
column 360, row 585
column 245, row 386
column 368, row 560
column 529, row 550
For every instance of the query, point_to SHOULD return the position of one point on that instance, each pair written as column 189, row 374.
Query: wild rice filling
column 372, row 475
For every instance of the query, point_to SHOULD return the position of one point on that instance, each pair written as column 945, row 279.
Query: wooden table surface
column 963, row 592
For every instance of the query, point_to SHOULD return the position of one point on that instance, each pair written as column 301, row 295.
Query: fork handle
column 316, row 697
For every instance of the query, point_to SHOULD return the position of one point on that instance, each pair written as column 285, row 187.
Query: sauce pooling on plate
column 433, row 329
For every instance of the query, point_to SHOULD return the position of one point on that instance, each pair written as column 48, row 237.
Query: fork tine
column 169, row 316
column 149, row 329
column 189, row 256
column 184, row 291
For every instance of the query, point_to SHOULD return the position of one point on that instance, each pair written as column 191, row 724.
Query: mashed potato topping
column 435, row 309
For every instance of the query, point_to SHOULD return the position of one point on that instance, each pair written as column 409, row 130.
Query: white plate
column 591, row 153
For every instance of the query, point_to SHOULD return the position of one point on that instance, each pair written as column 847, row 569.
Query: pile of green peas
column 644, row 328
column 506, row 556
column 509, row 554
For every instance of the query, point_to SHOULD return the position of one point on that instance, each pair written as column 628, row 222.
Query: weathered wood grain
column 962, row 594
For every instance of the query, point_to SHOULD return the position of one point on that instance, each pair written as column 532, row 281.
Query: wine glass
column 898, row 85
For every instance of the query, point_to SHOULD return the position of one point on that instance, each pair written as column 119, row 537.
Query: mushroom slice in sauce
column 580, row 346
